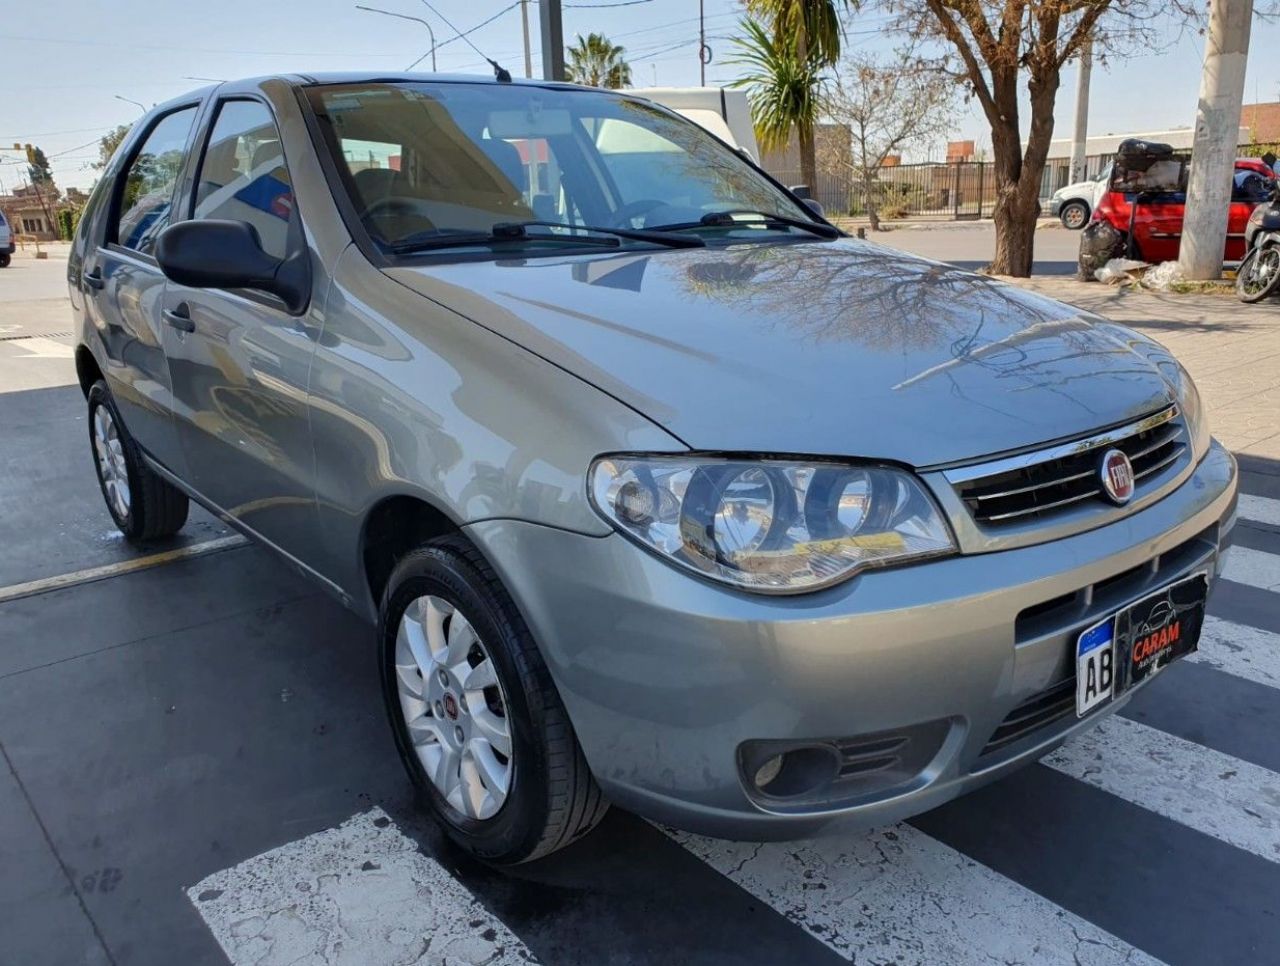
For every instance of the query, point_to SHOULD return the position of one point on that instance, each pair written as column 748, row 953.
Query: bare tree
column 888, row 105
column 990, row 45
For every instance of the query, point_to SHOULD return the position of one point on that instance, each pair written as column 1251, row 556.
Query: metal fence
column 949, row 191
column 961, row 190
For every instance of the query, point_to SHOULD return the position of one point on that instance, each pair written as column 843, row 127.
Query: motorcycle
column 1259, row 273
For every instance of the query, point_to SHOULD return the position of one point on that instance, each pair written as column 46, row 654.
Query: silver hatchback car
column 661, row 491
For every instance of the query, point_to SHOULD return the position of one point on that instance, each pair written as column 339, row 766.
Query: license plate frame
column 1139, row 640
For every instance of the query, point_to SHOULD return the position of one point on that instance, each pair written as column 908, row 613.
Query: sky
column 67, row 68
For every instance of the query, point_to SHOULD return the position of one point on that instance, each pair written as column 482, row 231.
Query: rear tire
column 1074, row 215
column 4, row 261
column 1259, row 274
column 509, row 807
column 143, row 505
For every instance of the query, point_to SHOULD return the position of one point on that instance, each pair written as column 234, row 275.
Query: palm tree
column 596, row 62
column 788, row 45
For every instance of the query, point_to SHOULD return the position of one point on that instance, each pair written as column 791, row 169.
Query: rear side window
column 243, row 176
column 146, row 198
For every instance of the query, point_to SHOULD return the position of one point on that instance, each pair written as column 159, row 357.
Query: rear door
column 123, row 283
column 239, row 361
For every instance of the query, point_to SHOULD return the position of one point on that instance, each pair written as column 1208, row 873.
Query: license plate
column 1134, row 643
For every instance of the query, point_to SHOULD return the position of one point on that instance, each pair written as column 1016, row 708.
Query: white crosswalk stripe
column 1253, row 567
column 898, row 895
column 1232, row 800
column 1260, row 509
column 361, row 894
column 1240, row 650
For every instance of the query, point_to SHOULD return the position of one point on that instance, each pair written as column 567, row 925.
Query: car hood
column 840, row 348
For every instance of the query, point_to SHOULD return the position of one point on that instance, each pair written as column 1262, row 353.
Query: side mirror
column 802, row 192
column 228, row 254
column 814, row 205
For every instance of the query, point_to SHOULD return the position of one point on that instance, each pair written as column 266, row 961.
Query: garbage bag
column 1099, row 243
column 1135, row 154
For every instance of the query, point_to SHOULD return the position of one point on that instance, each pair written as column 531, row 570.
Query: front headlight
column 766, row 525
column 1192, row 410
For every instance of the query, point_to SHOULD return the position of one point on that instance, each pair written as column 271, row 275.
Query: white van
column 725, row 113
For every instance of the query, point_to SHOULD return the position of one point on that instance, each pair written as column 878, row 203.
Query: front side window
column 149, row 181
column 422, row 162
column 243, row 176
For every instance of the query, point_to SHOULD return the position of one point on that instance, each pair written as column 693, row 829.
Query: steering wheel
column 634, row 209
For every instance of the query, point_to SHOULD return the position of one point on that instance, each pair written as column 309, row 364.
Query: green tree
column 108, row 143
column 1008, row 55
column 38, row 169
column 597, row 62
column 788, row 45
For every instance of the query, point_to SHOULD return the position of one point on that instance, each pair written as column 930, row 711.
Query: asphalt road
column 195, row 768
column 972, row 246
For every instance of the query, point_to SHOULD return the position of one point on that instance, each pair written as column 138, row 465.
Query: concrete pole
column 552, row 24
column 524, row 22
column 1213, row 152
column 1081, row 133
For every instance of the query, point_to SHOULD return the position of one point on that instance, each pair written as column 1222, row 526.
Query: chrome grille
column 1038, row 484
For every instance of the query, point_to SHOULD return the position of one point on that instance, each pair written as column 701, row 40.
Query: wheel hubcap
column 454, row 707
column 1075, row 217
column 109, row 452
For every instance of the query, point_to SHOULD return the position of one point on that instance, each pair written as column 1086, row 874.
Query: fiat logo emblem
column 451, row 706
column 1116, row 474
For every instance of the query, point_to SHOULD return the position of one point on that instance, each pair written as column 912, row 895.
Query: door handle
column 94, row 279
column 180, row 318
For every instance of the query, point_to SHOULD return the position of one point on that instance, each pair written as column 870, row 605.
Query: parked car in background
column 6, row 241
column 659, row 490
column 1155, row 216
column 1074, row 203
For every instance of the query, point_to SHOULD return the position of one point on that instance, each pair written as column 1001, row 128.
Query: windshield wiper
column 636, row 234
column 771, row 219
column 516, row 231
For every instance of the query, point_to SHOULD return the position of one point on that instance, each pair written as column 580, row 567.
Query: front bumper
column 666, row 677
column 1055, row 206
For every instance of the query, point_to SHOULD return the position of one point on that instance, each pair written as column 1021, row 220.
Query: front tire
column 143, row 505
column 1074, row 215
column 4, row 260
column 1259, row 274
column 476, row 717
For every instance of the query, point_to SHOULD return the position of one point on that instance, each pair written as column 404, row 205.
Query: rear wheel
column 1074, row 215
column 477, row 720
column 4, row 260
column 143, row 505
column 1259, row 274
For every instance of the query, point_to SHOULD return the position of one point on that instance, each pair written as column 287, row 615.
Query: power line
column 195, row 50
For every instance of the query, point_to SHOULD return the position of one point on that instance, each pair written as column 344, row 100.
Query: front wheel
column 4, row 260
column 1074, row 215
column 1259, row 274
column 477, row 720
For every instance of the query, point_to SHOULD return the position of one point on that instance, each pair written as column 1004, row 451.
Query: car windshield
column 432, row 165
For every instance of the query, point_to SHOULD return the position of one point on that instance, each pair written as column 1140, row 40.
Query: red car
column 1157, row 227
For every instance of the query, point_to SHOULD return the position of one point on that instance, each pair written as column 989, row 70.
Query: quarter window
column 243, row 176
column 149, row 182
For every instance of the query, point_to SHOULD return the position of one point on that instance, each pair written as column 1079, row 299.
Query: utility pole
column 552, row 25
column 1081, row 133
column 524, row 22
column 702, row 41
column 1213, row 152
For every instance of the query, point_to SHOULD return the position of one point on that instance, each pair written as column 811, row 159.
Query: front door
column 125, row 287
column 239, row 361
